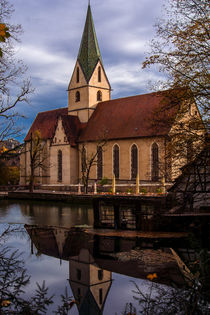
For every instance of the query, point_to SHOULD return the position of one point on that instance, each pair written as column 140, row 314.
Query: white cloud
column 128, row 76
column 52, row 34
column 45, row 65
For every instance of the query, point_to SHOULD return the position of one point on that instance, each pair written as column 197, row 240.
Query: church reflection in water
column 93, row 258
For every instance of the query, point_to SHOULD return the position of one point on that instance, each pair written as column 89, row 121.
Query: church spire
column 89, row 52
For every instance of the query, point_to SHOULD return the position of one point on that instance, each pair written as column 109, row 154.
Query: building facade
column 119, row 134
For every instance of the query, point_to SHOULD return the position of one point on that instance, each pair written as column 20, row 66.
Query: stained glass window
column 155, row 162
column 83, row 160
column 116, row 162
column 60, row 166
column 100, row 163
column 134, row 161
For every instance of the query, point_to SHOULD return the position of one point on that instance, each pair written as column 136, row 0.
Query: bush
column 103, row 181
column 143, row 190
column 159, row 190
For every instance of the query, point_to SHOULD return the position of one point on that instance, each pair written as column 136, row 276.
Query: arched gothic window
column 116, row 161
column 77, row 74
column 155, row 162
column 99, row 74
column 99, row 162
column 134, row 161
column 99, row 96
column 77, row 96
column 83, row 160
column 60, row 165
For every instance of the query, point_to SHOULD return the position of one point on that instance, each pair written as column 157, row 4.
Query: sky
column 52, row 31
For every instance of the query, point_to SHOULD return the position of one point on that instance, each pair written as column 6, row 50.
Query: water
column 58, row 245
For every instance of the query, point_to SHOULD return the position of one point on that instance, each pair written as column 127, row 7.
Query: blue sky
column 51, row 39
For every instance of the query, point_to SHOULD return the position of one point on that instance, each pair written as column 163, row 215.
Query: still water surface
column 97, row 270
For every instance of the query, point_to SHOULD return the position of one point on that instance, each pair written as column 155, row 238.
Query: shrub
column 143, row 190
column 159, row 190
column 103, row 181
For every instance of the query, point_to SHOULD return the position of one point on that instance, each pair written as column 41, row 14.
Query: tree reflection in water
column 14, row 280
column 92, row 260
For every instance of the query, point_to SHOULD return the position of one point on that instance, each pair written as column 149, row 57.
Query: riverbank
column 3, row 194
column 79, row 198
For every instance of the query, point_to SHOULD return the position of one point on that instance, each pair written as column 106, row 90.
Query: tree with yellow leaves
column 4, row 34
column 181, row 49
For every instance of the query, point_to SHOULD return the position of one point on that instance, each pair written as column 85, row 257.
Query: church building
column 119, row 133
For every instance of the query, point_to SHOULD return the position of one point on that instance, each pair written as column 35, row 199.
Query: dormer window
column 77, row 96
column 77, row 74
column 99, row 74
column 99, row 96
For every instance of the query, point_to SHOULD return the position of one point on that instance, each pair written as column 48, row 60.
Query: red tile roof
column 46, row 123
column 71, row 125
column 129, row 117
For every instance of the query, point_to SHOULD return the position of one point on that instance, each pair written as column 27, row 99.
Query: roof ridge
column 52, row 110
column 127, row 97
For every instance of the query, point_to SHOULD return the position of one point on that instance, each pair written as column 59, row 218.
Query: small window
column 55, row 140
column 77, row 96
column 65, row 139
column 100, row 296
column 196, row 112
column 79, row 274
column 99, row 96
column 77, row 74
column 99, row 74
column 100, row 274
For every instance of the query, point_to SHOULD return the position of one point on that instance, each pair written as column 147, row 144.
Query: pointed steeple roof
column 89, row 52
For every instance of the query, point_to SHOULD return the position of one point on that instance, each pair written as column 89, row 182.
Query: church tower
column 89, row 84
